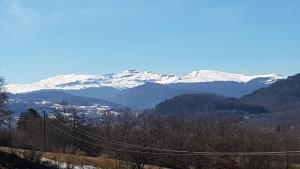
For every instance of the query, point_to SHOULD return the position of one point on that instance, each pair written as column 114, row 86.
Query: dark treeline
column 197, row 103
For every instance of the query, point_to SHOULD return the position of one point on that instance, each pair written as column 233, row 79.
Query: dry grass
column 99, row 162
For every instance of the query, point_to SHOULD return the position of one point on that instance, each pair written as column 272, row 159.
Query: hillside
column 283, row 95
column 150, row 94
column 18, row 160
column 145, row 96
column 56, row 96
column 51, row 98
column 205, row 103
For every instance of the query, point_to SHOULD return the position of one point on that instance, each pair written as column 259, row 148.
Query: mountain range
column 279, row 97
column 133, row 78
column 279, row 103
column 138, row 89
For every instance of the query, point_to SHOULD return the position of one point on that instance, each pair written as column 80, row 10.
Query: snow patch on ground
column 63, row 165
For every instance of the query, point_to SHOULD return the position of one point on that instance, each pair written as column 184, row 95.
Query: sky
column 40, row 39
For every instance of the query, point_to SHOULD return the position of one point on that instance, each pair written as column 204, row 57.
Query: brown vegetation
column 80, row 160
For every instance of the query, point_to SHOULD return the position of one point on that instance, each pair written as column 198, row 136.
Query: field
column 98, row 162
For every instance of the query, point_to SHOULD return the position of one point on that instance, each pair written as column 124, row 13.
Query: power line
column 91, row 135
column 109, row 147
column 98, row 137
column 279, row 153
column 132, row 151
column 102, row 146
column 122, row 143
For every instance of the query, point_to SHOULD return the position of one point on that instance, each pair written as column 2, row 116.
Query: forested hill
column 283, row 95
column 198, row 103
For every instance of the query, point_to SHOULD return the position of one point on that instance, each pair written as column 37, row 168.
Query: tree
column 72, row 120
column 142, row 135
column 125, row 122
column 107, row 120
column 5, row 117
column 4, row 113
column 26, row 117
column 29, row 130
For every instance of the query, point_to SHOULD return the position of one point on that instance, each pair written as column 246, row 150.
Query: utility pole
column 74, row 125
column 9, row 132
column 44, row 133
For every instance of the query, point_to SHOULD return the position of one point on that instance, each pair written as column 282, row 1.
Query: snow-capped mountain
column 132, row 78
column 212, row 76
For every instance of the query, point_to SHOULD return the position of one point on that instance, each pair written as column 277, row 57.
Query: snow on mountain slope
column 130, row 79
column 123, row 80
column 211, row 76
column 133, row 78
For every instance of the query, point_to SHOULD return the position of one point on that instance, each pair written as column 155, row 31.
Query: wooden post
column 44, row 133
column 74, row 126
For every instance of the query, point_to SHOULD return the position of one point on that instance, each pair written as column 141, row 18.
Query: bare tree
column 125, row 123
column 143, row 136
column 4, row 113
column 107, row 120
column 5, row 117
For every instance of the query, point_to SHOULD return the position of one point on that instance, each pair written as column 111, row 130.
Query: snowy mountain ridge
column 132, row 78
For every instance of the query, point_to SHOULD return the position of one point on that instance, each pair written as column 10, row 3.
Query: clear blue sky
column 39, row 39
